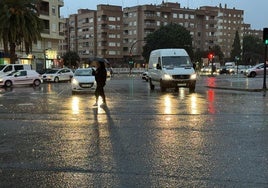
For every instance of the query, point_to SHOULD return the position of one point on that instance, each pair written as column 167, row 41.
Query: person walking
column 100, row 76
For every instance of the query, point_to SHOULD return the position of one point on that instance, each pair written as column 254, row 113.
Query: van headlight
column 193, row 77
column 167, row 77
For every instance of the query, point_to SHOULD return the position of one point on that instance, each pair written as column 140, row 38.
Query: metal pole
column 264, row 71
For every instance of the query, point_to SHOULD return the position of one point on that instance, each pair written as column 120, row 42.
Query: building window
column 111, row 19
column 112, row 44
column 54, row 10
column 112, row 52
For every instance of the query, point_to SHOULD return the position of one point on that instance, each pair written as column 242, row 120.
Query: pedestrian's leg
column 102, row 95
column 97, row 93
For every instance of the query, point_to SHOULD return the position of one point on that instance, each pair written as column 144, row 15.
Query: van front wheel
column 162, row 87
column 192, row 87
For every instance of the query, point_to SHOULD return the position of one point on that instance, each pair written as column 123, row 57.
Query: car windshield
column 52, row 71
column 176, row 61
column 83, row 72
column 2, row 66
column 12, row 73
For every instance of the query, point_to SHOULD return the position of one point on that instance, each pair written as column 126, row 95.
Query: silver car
column 21, row 77
column 256, row 70
column 57, row 75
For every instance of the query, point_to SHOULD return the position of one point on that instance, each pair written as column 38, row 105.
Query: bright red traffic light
column 210, row 56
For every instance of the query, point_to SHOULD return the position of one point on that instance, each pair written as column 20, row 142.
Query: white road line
column 25, row 104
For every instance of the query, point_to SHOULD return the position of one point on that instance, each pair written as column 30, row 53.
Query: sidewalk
column 233, row 82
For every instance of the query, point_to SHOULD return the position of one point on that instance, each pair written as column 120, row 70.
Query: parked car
column 256, row 70
column 21, row 77
column 57, row 75
column 145, row 76
column 9, row 68
column 83, row 80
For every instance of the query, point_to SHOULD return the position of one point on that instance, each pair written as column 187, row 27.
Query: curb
column 236, row 89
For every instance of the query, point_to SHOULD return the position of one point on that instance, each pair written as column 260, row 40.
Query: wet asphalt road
column 210, row 138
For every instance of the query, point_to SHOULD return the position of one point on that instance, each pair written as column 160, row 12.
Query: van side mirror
column 158, row 66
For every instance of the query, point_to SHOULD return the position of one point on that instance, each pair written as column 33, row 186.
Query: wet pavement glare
column 143, row 138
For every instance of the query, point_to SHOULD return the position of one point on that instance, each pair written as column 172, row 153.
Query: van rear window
column 18, row 67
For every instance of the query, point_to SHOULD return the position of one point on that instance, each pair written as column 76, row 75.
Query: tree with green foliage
column 253, row 49
column 236, row 48
column 169, row 36
column 71, row 59
column 217, row 52
column 19, row 25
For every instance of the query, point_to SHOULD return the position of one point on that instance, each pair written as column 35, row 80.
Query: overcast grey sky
column 254, row 10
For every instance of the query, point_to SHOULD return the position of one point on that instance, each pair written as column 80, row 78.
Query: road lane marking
column 25, row 104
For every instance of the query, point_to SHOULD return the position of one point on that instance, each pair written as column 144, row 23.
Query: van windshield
column 176, row 61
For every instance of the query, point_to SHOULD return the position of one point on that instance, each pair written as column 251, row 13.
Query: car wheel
column 56, row 79
column 8, row 83
column 36, row 82
column 253, row 74
column 151, row 85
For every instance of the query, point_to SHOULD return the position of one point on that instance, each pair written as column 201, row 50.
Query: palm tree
column 19, row 24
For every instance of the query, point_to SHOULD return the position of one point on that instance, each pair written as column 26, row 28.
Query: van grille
column 179, row 77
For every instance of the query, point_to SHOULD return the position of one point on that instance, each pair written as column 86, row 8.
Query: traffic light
column 265, row 36
column 210, row 56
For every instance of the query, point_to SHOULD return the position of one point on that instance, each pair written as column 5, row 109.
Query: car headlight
column 74, row 81
column 193, row 77
column 167, row 77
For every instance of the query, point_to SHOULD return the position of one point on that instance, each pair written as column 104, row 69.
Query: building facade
column 45, row 52
column 118, row 35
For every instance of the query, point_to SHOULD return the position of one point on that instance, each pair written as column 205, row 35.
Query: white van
column 171, row 68
column 8, row 68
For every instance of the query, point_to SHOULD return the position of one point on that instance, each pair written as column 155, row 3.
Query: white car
column 57, row 75
column 257, row 70
column 83, row 80
column 21, row 77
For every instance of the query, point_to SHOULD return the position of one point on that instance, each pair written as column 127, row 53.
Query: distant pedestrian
column 100, row 76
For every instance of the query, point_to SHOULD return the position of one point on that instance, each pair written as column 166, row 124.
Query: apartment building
column 94, row 33
column 228, row 21
column 45, row 52
column 109, row 32
column 80, row 33
column 119, row 34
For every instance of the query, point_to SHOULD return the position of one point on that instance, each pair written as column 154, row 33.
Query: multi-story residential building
column 120, row 33
column 93, row 33
column 228, row 21
column 45, row 51
column 109, row 32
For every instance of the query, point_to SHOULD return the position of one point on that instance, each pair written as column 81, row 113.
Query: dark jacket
column 100, row 75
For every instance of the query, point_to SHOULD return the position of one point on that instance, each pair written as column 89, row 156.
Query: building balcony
column 61, row 3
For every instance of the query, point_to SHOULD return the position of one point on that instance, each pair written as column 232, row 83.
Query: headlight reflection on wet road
column 75, row 105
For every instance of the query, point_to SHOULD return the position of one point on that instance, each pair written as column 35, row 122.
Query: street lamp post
column 45, row 59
